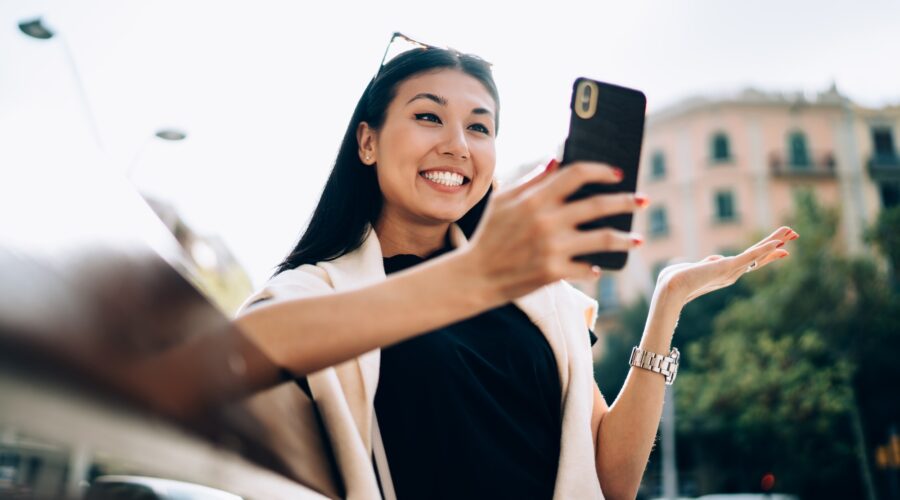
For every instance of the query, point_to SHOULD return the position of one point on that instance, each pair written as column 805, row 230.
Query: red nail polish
column 641, row 199
column 553, row 165
column 779, row 245
column 637, row 240
column 618, row 173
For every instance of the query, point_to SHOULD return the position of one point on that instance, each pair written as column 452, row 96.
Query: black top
column 471, row 410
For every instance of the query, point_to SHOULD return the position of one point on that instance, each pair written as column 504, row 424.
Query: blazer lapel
column 359, row 377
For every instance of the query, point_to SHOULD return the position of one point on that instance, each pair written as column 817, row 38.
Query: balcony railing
column 816, row 164
column 885, row 167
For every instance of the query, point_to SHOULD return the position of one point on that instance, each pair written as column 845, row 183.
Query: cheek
column 485, row 165
column 407, row 143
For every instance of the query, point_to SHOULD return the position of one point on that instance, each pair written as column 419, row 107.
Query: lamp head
column 35, row 28
column 170, row 134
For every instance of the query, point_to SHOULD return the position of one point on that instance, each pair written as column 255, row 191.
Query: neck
column 398, row 235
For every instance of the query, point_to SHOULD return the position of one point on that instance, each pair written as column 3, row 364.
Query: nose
column 455, row 143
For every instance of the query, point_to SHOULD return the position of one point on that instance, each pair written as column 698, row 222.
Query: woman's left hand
column 687, row 281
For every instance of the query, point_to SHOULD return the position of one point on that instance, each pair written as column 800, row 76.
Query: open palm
column 690, row 280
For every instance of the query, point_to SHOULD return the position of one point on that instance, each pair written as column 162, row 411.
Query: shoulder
column 304, row 281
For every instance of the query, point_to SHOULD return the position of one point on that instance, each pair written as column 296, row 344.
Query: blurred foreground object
column 111, row 362
column 148, row 488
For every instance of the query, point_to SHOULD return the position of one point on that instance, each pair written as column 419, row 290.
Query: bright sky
column 265, row 89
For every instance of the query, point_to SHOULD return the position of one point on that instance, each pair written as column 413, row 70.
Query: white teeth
column 445, row 178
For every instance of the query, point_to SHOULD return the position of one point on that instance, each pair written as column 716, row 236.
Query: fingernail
column 636, row 239
column 552, row 165
column 618, row 173
column 779, row 245
column 641, row 199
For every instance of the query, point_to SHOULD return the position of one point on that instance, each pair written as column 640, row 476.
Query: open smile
column 444, row 181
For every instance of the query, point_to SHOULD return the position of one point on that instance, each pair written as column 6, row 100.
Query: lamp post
column 36, row 29
column 669, row 462
column 164, row 134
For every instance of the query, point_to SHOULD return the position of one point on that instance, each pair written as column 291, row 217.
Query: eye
column 481, row 128
column 428, row 117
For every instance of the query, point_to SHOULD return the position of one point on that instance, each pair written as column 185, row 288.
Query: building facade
column 722, row 172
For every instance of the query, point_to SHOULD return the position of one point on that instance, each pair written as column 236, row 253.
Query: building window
column 884, row 143
column 659, row 223
column 658, row 166
column 799, row 153
column 724, row 206
column 606, row 292
column 890, row 194
column 721, row 149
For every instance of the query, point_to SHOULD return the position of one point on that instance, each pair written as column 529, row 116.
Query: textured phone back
column 613, row 135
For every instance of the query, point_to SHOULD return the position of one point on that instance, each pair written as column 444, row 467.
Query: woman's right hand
column 528, row 235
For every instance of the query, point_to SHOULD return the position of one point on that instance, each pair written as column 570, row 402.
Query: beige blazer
column 345, row 393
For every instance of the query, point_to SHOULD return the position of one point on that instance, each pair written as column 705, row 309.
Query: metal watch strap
column 667, row 366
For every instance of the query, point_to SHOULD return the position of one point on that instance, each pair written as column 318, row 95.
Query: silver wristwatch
column 667, row 366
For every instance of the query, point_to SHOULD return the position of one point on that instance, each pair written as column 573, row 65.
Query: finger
column 577, row 270
column 601, row 205
column 755, row 254
column 601, row 240
column 772, row 257
column 533, row 178
column 572, row 177
column 781, row 234
column 713, row 258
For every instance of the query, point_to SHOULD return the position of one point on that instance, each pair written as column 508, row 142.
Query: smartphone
column 607, row 126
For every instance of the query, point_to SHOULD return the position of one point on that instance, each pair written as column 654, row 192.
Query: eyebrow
column 443, row 102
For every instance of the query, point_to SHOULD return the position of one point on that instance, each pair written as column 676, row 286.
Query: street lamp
column 36, row 29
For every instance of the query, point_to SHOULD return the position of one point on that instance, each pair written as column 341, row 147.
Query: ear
column 366, row 138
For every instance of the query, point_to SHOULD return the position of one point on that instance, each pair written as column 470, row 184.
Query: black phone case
column 613, row 135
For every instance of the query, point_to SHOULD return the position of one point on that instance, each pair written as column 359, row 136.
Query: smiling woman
column 400, row 128
column 434, row 157
column 434, row 329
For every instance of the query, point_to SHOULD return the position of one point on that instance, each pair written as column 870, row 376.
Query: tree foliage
column 775, row 367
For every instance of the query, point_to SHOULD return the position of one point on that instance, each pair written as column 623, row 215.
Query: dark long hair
column 351, row 200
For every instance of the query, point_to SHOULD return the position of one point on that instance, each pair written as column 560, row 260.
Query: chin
column 445, row 218
column 445, row 215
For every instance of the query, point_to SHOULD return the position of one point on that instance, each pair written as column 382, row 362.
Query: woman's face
column 434, row 154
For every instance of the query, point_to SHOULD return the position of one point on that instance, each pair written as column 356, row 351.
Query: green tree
column 885, row 234
column 791, row 371
column 792, row 375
